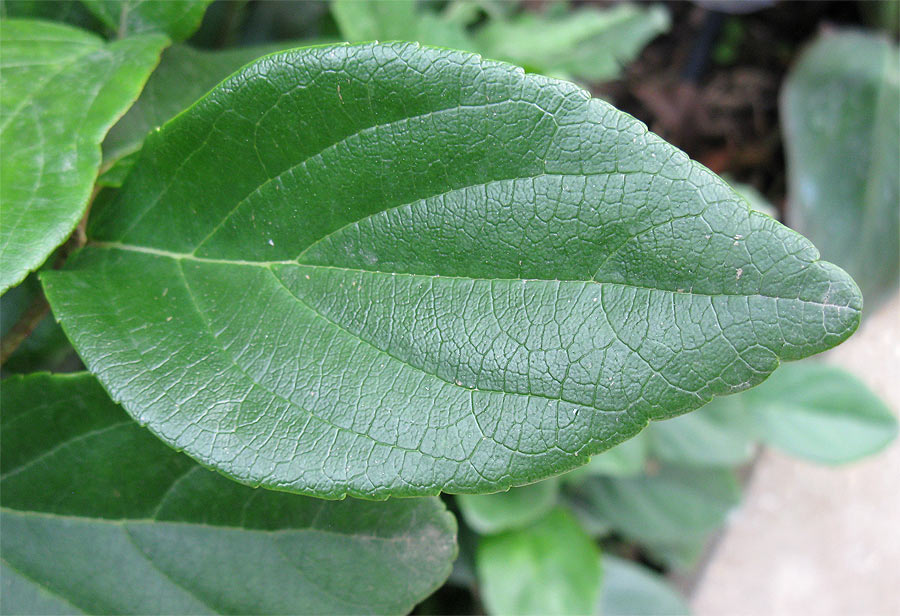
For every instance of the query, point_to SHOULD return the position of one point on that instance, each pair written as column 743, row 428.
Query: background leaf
column 664, row 509
column 60, row 90
column 840, row 111
column 47, row 347
column 627, row 459
column 177, row 19
column 184, row 74
column 632, row 590
column 719, row 434
column 589, row 44
column 100, row 517
column 397, row 21
column 821, row 413
column 552, row 567
column 492, row 513
column 289, row 276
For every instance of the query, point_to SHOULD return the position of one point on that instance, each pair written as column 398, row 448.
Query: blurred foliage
column 841, row 120
column 586, row 44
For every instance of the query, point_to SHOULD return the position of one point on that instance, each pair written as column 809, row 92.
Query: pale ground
column 817, row 541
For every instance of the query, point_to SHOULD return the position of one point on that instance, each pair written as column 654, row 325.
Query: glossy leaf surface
column 385, row 269
column 100, row 517
column 550, row 568
column 177, row 19
column 821, row 413
column 841, row 116
column 60, row 90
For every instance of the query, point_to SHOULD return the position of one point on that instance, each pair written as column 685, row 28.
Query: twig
column 29, row 320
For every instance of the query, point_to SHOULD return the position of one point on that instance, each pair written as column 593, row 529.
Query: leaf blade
column 177, row 19
column 105, row 517
column 821, row 413
column 62, row 90
column 551, row 567
column 498, row 216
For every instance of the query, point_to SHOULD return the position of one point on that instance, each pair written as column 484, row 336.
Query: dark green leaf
column 60, row 90
column 177, row 19
column 821, row 413
column 66, row 11
column 552, row 567
column 518, row 507
column 841, row 116
column 385, row 269
column 98, row 516
column 632, row 590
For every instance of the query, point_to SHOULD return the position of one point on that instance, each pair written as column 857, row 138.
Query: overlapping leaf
column 385, row 269
column 100, row 517
column 551, row 568
column 184, row 74
column 60, row 90
column 632, row 590
column 821, row 413
column 177, row 19
column 518, row 507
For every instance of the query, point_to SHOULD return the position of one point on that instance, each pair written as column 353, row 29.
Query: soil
column 711, row 85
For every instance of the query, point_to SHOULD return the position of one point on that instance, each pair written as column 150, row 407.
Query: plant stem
column 29, row 320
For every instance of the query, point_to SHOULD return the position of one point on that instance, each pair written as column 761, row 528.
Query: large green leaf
column 178, row 19
column 551, row 568
column 631, row 590
column 100, row 517
column 386, row 269
column 60, row 90
column 841, row 115
column 821, row 413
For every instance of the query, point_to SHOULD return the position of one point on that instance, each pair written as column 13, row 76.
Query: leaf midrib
column 184, row 256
